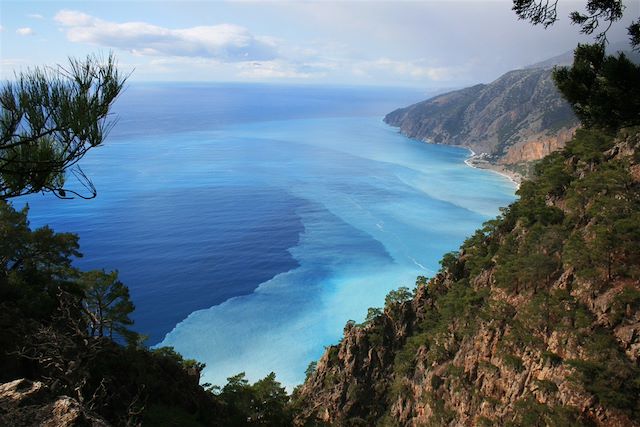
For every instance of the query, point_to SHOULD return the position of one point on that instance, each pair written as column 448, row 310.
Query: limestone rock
column 25, row 403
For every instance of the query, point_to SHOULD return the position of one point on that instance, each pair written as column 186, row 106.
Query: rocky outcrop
column 520, row 117
column 481, row 383
column 25, row 403
column 473, row 348
column 535, row 149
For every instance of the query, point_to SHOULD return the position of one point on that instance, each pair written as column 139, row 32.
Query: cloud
column 276, row 69
column 11, row 62
column 35, row 16
column 418, row 69
column 72, row 18
column 25, row 31
column 250, row 70
column 224, row 42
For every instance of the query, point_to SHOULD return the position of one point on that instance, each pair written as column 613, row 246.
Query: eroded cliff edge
column 536, row 321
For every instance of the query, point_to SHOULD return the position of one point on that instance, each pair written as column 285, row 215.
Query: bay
column 252, row 221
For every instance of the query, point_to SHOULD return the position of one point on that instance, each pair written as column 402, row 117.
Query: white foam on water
column 365, row 234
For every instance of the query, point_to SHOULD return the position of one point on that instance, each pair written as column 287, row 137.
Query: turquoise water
column 251, row 222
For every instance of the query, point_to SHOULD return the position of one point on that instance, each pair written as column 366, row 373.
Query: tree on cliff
column 33, row 264
column 264, row 403
column 49, row 119
column 106, row 304
column 603, row 90
column 599, row 17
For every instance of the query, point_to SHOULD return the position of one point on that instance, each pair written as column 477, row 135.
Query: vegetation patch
column 513, row 362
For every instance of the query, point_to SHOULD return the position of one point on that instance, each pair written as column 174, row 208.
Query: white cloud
column 11, row 62
column 25, row 31
column 251, row 70
column 276, row 69
column 35, row 16
column 418, row 69
column 72, row 18
column 224, row 42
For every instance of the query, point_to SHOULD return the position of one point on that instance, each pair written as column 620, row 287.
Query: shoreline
column 478, row 162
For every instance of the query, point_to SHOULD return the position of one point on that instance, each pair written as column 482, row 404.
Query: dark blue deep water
column 251, row 221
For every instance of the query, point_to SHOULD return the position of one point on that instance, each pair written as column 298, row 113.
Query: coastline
column 479, row 161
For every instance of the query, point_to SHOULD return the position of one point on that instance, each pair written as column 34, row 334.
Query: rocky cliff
column 25, row 403
column 536, row 321
column 536, row 149
column 519, row 117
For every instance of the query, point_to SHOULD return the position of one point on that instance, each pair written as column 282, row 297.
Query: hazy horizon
column 421, row 44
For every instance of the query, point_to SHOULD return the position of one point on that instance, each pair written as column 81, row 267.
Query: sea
column 252, row 221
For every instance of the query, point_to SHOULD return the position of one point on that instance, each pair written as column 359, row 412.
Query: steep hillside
column 536, row 321
column 519, row 117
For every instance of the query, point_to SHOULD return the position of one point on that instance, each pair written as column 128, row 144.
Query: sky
column 427, row 44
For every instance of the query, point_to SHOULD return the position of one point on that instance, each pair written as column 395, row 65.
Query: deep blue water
column 251, row 221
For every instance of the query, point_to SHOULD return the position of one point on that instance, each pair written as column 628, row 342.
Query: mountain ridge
column 520, row 112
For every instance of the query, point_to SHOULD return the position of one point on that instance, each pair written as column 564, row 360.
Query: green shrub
column 513, row 362
column 551, row 358
column 546, row 386
column 629, row 299
column 436, row 382
column 484, row 422
column 454, row 371
column 169, row 416
column 614, row 382
column 397, row 297
column 488, row 367
column 531, row 413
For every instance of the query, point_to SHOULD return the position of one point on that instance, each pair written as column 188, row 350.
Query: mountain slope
column 518, row 118
column 536, row 321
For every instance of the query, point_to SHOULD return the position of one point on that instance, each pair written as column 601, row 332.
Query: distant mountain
column 566, row 58
column 511, row 122
column 518, row 118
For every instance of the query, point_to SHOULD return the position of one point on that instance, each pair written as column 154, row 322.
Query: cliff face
column 536, row 149
column 28, row 403
column 535, row 322
column 519, row 109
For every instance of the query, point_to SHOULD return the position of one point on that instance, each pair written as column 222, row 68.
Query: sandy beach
column 480, row 162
